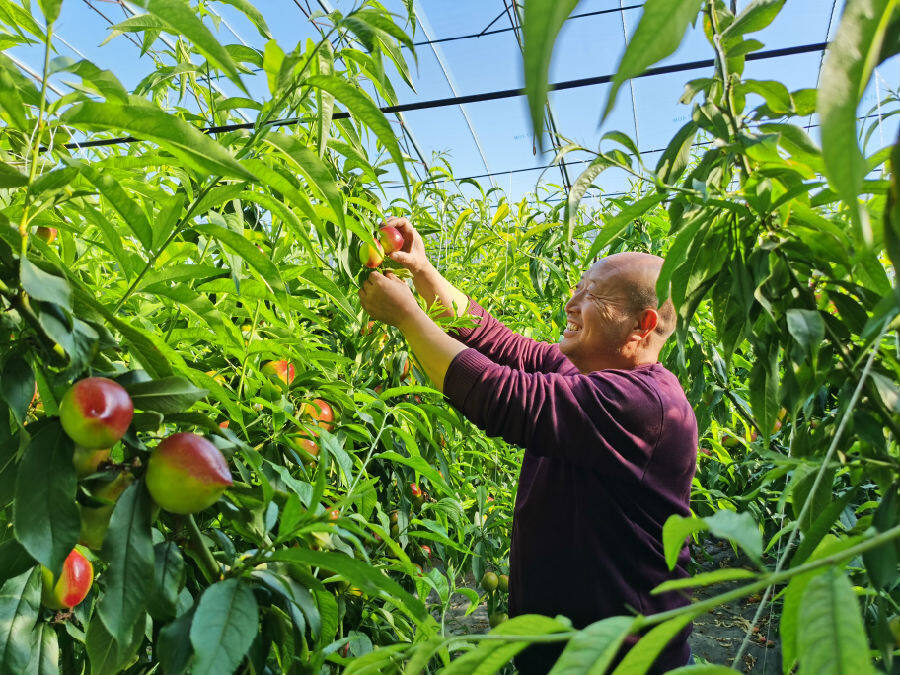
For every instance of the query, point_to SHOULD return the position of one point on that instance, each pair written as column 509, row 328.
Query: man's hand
column 413, row 256
column 388, row 299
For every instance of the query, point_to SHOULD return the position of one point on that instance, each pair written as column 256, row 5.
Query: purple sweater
column 608, row 457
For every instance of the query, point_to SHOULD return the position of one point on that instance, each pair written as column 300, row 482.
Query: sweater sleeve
column 505, row 347
column 606, row 420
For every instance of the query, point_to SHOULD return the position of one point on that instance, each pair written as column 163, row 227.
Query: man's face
column 598, row 323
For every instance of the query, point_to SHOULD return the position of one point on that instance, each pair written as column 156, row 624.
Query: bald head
column 633, row 276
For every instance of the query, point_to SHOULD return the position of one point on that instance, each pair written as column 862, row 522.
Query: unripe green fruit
column 503, row 583
column 186, row 474
column 96, row 412
column 95, row 519
column 497, row 618
column 490, row 581
column 86, row 460
column 73, row 584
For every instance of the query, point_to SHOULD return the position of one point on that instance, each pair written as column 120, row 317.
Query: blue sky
column 587, row 47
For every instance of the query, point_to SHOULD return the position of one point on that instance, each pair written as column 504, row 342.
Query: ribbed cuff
column 464, row 333
column 464, row 371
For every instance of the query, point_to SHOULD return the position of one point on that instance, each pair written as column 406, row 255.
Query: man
column 610, row 439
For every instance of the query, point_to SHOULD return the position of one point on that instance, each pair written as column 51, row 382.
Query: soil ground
column 717, row 635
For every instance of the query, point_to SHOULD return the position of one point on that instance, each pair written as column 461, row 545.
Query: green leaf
column 620, row 222
column 46, row 516
column 705, row 579
column 267, row 270
column 20, row 599
column 739, row 528
column 223, row 628
column 364, row 110
column 182, row 19
column 52, row 180
column 831, row 638
column 253, row 14
column 10, row 177
column 132, row 214
column 315, row 170
column 45, row 656
column 806, row 327
column 675, row 530
column 109, row 655
column 147, row 122
column 881, row 562
column 639, row 659
column 658, row 34
column 541, row 23
column 489, row 656
column 421, row 466
column 592, row 649
column 174, row 644
column 44, row 286
column 165, row 395
column 17, row 386
column 168, row 579
column 755, row 16
column 579, row 187
column 702, row 669
column 674, row 160
column 50, row 9
column 846, row 71
column 128, row 548
column 367, row 578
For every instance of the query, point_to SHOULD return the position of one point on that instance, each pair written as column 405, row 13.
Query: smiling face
column 612, row 320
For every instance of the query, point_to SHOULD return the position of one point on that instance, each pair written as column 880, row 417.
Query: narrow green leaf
column 754, row 17
column 20, row 600
column 619, row 223
column 363, row 109
column 128, row 548
column 592, row 649
column 639, row 659
column 541, row 24
column 705, row 579
column 831, row 638
column 846, row 71
column 182, row 19
column 702, row 669
column 50, row 9
column 165, row 395
column 488, row 657
column 579, row 187
column 147, row 122
column 315, row 170
column 252, row 13
column 661, row 28
column 267, row 270
column 132, row 214
column 369, row 579
column 223, row 628
column 46, row 516
column 17, row 386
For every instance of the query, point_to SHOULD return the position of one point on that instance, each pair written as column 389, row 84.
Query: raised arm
column 489, row 336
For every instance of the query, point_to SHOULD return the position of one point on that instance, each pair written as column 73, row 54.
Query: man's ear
column 648, row 320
